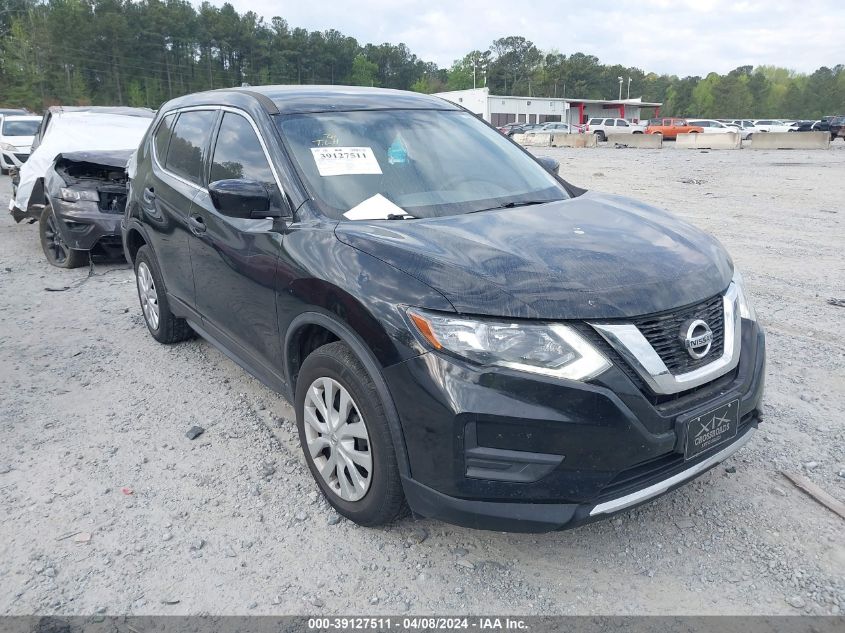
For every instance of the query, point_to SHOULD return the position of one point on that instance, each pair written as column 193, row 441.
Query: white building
column 499, row 110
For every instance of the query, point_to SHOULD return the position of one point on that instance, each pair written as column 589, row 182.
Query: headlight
column 75, row 195
column 550, row 349
column 8, row 148
column 746, row 310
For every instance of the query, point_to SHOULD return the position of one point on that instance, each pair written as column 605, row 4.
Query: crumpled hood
column 591, row 257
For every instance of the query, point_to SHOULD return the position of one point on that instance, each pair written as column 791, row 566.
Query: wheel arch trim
column 367, row 358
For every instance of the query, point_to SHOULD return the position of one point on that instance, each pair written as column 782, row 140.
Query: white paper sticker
column 344, row 161
column 376, row 207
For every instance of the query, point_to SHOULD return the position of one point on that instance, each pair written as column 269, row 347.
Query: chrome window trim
column 214, row 108
column 662, row 486
column 635, row 349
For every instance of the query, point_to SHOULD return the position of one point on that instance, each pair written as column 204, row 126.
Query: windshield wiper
column 512, row 205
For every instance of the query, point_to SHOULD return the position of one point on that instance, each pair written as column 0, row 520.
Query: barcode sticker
column 345, row 161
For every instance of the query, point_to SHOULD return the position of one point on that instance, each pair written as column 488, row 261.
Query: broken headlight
column 7, row 147
column 77, row 195
column 551, row 349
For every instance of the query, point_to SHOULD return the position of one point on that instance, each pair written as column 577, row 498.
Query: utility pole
column 629, row 88
column 620, row 87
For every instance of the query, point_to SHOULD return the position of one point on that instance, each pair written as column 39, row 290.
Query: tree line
column 144, row 52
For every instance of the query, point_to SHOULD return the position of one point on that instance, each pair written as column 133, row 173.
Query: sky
column 677, row 37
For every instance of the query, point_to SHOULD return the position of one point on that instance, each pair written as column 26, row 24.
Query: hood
column 106, row 158
column 592, row 257
column 21, row 142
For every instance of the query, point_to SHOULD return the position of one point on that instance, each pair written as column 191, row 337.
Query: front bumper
column 9, row 160
column 503, row 451
column 83, row 225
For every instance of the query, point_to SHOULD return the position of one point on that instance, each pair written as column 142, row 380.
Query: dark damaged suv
column 459, row 329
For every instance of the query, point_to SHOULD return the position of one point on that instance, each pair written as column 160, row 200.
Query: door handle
column 196, row 224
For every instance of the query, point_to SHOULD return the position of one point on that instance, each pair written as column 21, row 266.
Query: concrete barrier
column 537, row 139
column 518, row 138
column 645, row 141
column 574, row 140
column 790, row 140
column 730, row 140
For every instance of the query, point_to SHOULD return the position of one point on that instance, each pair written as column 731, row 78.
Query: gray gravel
column 94, row 416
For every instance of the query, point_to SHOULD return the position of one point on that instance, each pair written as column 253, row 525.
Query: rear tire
column 162, row 324
column 602, row 137
column 355, row 466
column 56, row 250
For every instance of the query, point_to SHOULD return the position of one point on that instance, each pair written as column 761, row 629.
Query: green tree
column 363, row 72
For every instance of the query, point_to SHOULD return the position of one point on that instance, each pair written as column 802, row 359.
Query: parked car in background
column 86, row 130
column 85, row 200
column 16, row 134
column 556, row 126
column 712, row 126
column 456, row 327
column 670, row 127
column 771, row 125
column 523, row 128
column 601, row 127
column 836, row 126
column 802, row 126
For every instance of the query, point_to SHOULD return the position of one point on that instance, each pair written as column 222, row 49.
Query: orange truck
column 670, row 128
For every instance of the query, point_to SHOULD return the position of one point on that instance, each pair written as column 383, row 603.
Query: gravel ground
column 108, row 507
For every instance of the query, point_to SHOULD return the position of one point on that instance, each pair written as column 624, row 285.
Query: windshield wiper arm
column 512, row 205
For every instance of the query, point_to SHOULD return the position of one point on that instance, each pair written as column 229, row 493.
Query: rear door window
column 188, row 143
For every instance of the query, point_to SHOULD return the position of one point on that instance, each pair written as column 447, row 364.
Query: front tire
column 344, row 434
column 56, row 250
column 601, row 136
column 161, row 322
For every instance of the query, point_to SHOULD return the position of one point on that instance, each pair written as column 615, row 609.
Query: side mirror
column 550, row 164
column 241, row 199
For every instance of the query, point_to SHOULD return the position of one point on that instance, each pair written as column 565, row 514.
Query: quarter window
column 162, row 137
column 188, row 142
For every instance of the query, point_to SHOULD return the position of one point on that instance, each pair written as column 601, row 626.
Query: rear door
column 234, row 259
column 180, row 146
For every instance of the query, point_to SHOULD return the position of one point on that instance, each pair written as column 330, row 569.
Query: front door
column 234, row 260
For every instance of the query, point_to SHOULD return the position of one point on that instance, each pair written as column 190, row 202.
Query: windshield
column 421, row 163
column 20, row 128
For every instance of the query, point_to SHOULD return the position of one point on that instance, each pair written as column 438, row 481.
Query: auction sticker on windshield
column 345, row 161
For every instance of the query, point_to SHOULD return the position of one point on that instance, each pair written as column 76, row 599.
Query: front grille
column 663, row 332
column 112, row 199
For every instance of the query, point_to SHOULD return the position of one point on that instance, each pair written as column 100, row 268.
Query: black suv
column 458, row 328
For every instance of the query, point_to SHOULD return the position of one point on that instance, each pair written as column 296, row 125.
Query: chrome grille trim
column 635, row 349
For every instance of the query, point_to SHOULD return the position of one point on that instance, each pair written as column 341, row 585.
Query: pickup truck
column 601, row 127
column 670, row 128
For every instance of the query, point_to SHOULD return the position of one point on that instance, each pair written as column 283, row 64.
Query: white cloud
column 685, row 37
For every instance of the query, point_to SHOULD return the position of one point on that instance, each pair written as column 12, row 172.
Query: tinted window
column 610, row 123
column 162, row 137
column 188, row 142
column 238, row 153
column 595, row 121
column 622, row 123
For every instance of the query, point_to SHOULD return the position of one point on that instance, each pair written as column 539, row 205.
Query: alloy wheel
column 55, row 243
column 337, row 439
column 149, row 296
